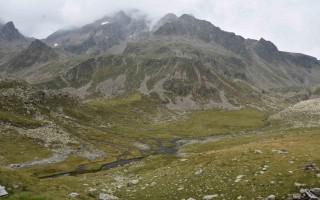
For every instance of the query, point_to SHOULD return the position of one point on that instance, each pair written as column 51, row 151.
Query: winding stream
column 161, row 150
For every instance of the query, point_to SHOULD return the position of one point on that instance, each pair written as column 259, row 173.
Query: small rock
column 198, row 172
column 134, row 182
column 104, row 196
column 296, row 196
column 73, row 195
column 191, row 198
column 302, row 191
column 281, row 151
column 258, row 151
column 180, row 188
column 210, row 197
column 311, row 167
column 318, row 175
column 271, row 197
column 92, row 189
column 239, row 178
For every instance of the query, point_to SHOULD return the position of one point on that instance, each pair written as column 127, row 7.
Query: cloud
column 293, row 25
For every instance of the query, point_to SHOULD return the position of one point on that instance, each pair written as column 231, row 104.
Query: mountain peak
column 37, row 52
column 187, row 17
column 10, row 24
column 168, row 18
column 267, row 44
column 9, row 32
column 38, row 44
column 122, row 17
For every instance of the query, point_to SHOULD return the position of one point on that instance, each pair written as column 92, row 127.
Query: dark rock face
column 9, row 33
column 189, row 26
column 169, row 18
column 267, row 50
column 38, row 52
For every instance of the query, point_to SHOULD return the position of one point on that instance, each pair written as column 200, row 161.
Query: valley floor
column 131, row 149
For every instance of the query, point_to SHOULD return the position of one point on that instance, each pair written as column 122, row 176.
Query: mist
column 293, row 25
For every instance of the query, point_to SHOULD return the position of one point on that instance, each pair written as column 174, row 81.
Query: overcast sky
column 293, row 25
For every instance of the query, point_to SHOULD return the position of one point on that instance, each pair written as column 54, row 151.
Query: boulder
column 315, row 191
column 104, row 196
column 73, row 195
column 3, row 191
column 271, row 197
column 210, row 197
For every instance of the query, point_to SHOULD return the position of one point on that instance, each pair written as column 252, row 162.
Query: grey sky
column 293, row 25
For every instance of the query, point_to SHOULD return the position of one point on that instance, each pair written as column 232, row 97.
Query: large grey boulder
column 3, row 191
column 104, row 196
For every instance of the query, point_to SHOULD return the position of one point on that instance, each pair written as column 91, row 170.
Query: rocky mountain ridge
column 184, row 61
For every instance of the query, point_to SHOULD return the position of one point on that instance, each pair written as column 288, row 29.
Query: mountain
column 37, row 53
column 168, row 18
column 11, row 41
column 190, row 63
column 108, row 34
column 9, row 33
column 185, row 62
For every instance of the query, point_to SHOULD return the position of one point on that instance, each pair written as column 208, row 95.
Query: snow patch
column 56, row 45
column 105, row 23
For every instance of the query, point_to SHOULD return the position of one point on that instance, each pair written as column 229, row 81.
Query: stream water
column 161, row 150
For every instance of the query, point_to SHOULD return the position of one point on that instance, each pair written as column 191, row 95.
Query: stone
column 271, row 197
column 180, row 188
column 311, row 167
column 3, row 191
column 296, row 196
column 92, row 189
column 198, row 172
column 315, row 191
column 281, row 151
column 104, row 196
column 73, row 195
column 134, row 182
column 191, row 198
column 257, row 151
column 210, row 197
column 239, row 178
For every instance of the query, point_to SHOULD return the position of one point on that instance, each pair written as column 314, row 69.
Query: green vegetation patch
column 19, row 149
column 19, row 120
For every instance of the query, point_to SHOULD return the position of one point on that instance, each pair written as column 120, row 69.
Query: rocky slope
column 37, row 53
column 11, row 41
column 303, row 114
